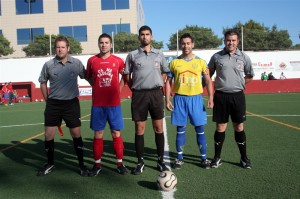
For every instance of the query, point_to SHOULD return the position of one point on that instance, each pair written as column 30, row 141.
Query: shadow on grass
column 196, row 159
column 34, row 155
column 148, row 185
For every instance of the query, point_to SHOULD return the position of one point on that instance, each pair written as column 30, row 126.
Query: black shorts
column 147, row 100
column 233, row 104
column 58, row 110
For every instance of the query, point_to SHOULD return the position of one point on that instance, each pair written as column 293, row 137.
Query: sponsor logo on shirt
column 188, row 78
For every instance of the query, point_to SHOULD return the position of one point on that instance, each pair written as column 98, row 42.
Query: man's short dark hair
column 231, row 32
column 61, row 38
column 186, row 35
column 143, row 28
column 105, row 35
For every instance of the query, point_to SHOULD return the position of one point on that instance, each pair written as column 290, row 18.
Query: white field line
column 34, row 124
column 17, row 125
column 167, row 194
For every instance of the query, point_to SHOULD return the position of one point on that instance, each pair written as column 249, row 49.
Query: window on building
column 71, row 5
column 122, row 4
column 116, row 28
column 1, row 32
column 114, row 4
column 25, row 35
column 29, row 7
column 77, row 32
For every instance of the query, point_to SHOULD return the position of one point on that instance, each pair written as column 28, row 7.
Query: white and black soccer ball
column 166, row 180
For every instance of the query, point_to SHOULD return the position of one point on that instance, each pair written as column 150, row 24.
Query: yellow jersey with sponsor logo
column 187, row 75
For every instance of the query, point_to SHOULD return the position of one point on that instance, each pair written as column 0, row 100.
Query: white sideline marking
column 167, row 148
column 167, row 194
column 21, row 125
column 127, row 118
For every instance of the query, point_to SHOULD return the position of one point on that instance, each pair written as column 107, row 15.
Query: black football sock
column 78, row 146
column 240, row 138
column 139, row 147
column 49, row 148
column 160, row 146
column 219, row 138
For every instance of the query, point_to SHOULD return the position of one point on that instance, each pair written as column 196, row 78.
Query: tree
column 41, row 45
column 5, row 48
column 258, row 37
column 203, row 37
column 279, row 39
column 296, row 47
column 157, row 44
column 126, row 42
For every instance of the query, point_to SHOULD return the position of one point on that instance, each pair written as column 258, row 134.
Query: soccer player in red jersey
column 103, row 73
column 10, row 93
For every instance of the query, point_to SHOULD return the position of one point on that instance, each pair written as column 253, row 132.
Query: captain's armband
column 205, row 72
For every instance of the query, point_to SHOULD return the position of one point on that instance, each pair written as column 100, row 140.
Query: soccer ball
column 166, row 180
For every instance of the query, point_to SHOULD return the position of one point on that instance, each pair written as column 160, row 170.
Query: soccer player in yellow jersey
column 187, row 72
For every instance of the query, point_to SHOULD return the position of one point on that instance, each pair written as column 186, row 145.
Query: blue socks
column 180, row 141
column 201, row 141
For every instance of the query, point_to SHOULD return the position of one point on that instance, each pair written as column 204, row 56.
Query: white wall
column 28, row 69
column 276, row 62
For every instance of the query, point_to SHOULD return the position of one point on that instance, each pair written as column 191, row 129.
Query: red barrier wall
column 274, row 86
column 32, row 93
column 256, row 86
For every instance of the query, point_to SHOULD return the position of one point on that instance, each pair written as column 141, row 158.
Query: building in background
column 85, row 20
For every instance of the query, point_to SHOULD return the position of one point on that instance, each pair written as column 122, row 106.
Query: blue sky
column 166, row 16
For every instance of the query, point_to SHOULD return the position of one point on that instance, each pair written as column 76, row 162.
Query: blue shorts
column 188, row 107
column 102, row 114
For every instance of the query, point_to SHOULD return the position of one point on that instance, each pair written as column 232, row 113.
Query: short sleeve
column 44, row 74
column 128, row 62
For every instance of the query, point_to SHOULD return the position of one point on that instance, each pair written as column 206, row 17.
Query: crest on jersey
column 240, row 65
column 195, row 66
column 156, row 64
column 105, row 77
